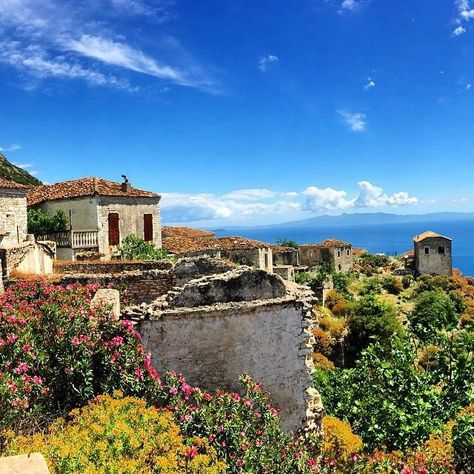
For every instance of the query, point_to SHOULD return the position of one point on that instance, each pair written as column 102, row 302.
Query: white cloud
column 253, row 194
column 369, row 196
column 465, row 14
column 349, row 5
column 265, row 61
column 12, row 147
column 68, row 40
column 370, row 84
column 23, row 166
column 356, row 121
column 468, row 86
column 318, row 199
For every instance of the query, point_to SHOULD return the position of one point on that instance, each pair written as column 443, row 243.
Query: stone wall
column 109, row 266
column 28, row 257
column 131, row 211
column 437, row 259
column 212, row 343
column 340, row 257
column 13, row 217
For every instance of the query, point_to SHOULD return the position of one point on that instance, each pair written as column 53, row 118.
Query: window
column 348, row 252
column 441, row 249
column 427, row 250
column 339, row 253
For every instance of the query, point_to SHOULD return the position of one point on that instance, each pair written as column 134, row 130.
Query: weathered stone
column 25, row 464
column 107, row 297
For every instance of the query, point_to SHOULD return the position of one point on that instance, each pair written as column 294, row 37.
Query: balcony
column 75, row 239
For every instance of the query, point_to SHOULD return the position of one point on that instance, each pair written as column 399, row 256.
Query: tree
column 433, row 311
column 287, row 243
column 371, row 318
column 40, row 223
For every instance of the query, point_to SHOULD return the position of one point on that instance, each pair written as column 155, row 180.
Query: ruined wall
column 131, row 211
column 110, row 266
column 29, row 257
column 437, row 260
column 13, row 217
column 341, row 257
column 212, row 345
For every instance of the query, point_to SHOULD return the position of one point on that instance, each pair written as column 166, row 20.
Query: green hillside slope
column 14, row 173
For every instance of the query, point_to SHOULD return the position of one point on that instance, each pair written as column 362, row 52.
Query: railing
column 76, row 239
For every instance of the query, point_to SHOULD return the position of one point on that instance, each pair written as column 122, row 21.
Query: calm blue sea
column 391, row 239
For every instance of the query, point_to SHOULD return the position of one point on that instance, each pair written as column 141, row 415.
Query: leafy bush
column 287, row 243
column 57, row 352
column 371, row 262
column 40, row 223
column 333, row 297
column 387, row 401
column 372, row 285
column 433, row 311
column 371, row 318
column 117, row 434
column 463, row 441
column 322, row 362
column 134, row 248
column 339, row 440
column 392, row 284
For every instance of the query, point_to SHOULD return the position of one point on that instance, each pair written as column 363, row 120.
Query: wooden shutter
column 114, row 231
column 148, row 227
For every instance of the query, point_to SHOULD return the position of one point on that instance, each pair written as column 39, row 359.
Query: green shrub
column 371, row 318
column 463, row 441
column 134, row 248
column 392, row 284
column 40, row 223
column 287, row 243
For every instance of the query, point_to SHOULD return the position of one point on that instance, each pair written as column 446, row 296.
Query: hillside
column 14, row 173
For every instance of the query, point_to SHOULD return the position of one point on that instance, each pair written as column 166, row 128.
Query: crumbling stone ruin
column 215, row 328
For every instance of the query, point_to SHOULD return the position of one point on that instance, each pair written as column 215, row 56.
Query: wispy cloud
column 23, row 166
column 51, row 39
column 356, row 121
column 12, row 147
column 370, row 84
column 349, row 5
column 465, row 14
column 265, row 61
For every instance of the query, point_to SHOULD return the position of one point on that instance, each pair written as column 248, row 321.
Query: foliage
column 463, row 441
column 14, row 173
column 244, row 429
column 392, row 284
column 339, row 440
column 370, row 263
column 287, row 243
column 340, row 282
column 385, row 398
column 57, row 352
column 433, row 311
column 372, row 285
column 118, row 434
column 371, row 318
column 40, row 223
column 333, row 297
column 134, row 248
column 322, row 362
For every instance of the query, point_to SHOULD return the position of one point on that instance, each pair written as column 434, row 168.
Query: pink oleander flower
column 235, row 396
column 190, row 452
column 186, row 389
column 21, row 369
column 173, row 390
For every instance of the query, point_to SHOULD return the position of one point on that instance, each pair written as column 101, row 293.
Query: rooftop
column 81, row 188
column 181, row 240
column 428, row 234
column 5, row 184
column 329, row 243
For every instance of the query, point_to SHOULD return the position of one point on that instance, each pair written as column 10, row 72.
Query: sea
column 391, row 239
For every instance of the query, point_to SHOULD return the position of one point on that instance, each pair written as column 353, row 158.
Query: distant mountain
column 14, row 173
column 375, row 219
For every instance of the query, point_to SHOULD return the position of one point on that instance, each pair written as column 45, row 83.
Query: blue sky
column 246, row 112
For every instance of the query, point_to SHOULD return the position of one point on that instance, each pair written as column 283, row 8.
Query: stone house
column 13, row 216
column 433, row 254
column 185, row 241
column 337, row 252
column 101, row 214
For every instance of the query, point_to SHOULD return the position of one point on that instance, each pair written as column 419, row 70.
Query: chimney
column 126, row 186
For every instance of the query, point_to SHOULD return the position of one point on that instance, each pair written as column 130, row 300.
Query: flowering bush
column 463, row 440
column 56, row 352
column 117, row 434
column 339, row 440
column 244, row 429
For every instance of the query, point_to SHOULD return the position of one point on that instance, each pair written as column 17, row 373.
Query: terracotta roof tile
column 182, row 240
column 5, row 184
column 427, row 235
column 328, row 243
column 81, row 188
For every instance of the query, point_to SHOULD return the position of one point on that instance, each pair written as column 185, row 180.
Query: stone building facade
column 101, row 214
column 13, row 215
column 433, row 254
column 337, row 252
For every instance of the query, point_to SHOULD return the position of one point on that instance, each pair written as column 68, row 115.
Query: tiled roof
column 80, row 188
column 427, row 235
column 5, row 184
column 329, row 243
column 182, row 240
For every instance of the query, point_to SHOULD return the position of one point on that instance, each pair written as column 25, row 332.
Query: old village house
column 336, row 252
column 101, row 214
